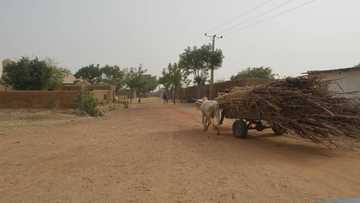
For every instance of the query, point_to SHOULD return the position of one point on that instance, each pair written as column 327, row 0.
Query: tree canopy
column 199, row 61
column 91, row 73
column 264, row 73
column 107, row 74
column 135, row 79
column 113, row 75
column 32, row 74
column 166, row 79
column 139, row 82
column 173, row 78
column 150, row 83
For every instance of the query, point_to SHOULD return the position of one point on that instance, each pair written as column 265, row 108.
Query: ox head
column 198, row 102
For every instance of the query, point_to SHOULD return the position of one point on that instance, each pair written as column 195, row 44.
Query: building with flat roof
column 343, row 81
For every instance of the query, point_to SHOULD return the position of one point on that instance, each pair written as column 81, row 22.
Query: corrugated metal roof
column 355, row 68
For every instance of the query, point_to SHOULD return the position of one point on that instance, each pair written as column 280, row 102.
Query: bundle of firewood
column 302, row 106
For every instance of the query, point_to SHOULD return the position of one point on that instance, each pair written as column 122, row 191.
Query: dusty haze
column 323, row 34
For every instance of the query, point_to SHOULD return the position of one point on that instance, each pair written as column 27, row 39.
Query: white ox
column 211, row 113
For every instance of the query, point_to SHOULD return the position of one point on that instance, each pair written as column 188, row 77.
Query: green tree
column 139, row 83
column 133, row 80
column 57, row 73
column 165, row 79
column 199, row 61
column 255, row 73
column 149, row 84
column 56, row 79
column 172, row 79
column 91, row 73
column 113, row 75
column 193, row 62
column 32, row 74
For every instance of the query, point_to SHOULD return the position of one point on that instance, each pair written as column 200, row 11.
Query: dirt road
column 158, row 153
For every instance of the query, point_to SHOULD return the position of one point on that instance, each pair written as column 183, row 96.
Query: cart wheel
column 278, row 130
column 240, row 129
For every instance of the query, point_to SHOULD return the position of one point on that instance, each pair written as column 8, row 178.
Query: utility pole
column 213, row 39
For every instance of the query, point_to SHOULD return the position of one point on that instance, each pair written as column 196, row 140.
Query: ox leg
column 215, row 126
column 222, row 116
column 204, row 122
column 203, row 118
column 207, row 123
column 217, row 130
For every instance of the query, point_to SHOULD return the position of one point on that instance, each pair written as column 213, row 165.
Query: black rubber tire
column 278, row 130
column 240, row 129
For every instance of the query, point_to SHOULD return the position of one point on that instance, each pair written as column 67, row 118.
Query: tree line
column 195, row 64
column 36, row 74
column 32, row 74
column 193, row 67
column 136, row 81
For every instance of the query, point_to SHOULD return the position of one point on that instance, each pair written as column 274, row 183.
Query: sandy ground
column 158, row 153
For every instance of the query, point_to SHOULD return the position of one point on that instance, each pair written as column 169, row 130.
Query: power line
column 277, row 15
column 258, row 16
column 258, row 6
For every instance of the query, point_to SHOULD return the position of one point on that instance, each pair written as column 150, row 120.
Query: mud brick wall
column 103, row 96
column 38, row 99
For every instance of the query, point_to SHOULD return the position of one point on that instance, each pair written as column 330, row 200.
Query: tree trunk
column 171, row 94
column 211, row 86
column 174, row 95
column 202, row 94
column 198, row 91
column 183, row 92
column 134, row 94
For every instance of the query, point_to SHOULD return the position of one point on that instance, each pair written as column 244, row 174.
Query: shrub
column 88, row 104
column 32, row 74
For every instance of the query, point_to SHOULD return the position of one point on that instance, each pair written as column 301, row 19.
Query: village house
column 344, row 81
column 69, row 79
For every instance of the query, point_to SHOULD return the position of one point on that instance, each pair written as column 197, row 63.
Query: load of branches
column 302, row 106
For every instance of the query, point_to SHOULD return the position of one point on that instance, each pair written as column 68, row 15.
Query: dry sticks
column 303, row 106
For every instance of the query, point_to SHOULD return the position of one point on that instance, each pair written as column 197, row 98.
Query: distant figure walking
column 165, row 98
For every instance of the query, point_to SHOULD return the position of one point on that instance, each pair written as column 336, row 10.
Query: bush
column 88, row 104
column 32, row 74
column 260, row 73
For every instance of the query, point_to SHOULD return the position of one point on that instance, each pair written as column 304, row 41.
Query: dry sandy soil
column 154, row 152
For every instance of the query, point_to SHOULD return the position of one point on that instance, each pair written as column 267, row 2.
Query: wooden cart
column 252, row 120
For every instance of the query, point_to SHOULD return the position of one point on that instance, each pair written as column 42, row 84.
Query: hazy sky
column 324, row 34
